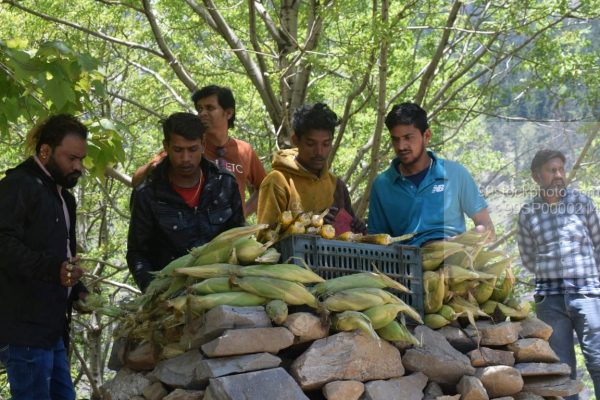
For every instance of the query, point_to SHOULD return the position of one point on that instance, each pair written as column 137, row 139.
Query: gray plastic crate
column 334, row 258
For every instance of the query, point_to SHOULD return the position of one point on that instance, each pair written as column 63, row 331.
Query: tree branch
column 174, row 63
column 137, row 104
column 90, row 32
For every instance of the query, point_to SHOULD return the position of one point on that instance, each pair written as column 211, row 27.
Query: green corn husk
column 213, row 285
column 396, row 332
column 277, row 311
column 288, row 272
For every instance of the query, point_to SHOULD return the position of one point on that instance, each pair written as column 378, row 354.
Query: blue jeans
column 38, row 374
column 579, row 312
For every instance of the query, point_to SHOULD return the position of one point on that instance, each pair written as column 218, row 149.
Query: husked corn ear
column 349, row 236
column 396, row 332
column 435, row 321
column 305, row 218
column 362, row 279
column 311, row 230
column 353, row 320
column 288, row 272
column 327, row 231
column 295, row 229
column 286, row 218
column 213, row 285
column 277, row 311
column 271, row 256
column 292, row 293
column 317, row 220
column 379, row 238
column 209, row 271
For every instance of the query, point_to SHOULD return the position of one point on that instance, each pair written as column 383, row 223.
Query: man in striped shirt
column 559, row 241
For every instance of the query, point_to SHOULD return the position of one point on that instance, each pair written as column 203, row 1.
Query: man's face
column 212, row 115
column 313, row 149
column 65, row 161
column 409, row 143
column 184, row 155
column 551, row 177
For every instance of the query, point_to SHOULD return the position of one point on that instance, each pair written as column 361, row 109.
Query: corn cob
column 178, row 284
column 447, row 312
column 435, row 321
column 327, row 231
column 484, row 290
column 380, row 238
column 285, row 219
column 484, row 257
column 288, row 272
column 456, row 274
column 295, row 229
column 514, row 314
column 213, row 285
column 181, row 262
column 228, row 237
column 198, row 304
column 434, row 288
column 277, row 311
column 396, row 332
column 209, row 271
column 304, row 218
column 497, row 268
column 489, row 307
column 248, row 249
column 459, row 305
column 317, row 220
column 292, row 293
column 352, row 301
column 311, row 230
column 504, row 286
column 349, row 236
column 363, row 279
column 352, row 320
column 382, row 315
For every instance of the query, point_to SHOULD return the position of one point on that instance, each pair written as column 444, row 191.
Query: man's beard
column 67, row 181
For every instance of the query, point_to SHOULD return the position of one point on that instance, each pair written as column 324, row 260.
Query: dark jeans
column 566, row 313
column 38, row 374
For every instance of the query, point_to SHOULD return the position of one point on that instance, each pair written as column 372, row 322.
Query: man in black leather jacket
column 185, row 202
column 39, row 273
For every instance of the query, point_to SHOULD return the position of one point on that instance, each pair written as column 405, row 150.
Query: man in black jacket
column 185, row 202
column 39, row 273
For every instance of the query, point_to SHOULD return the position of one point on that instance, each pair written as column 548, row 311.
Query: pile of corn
column 462, row 279
column 237, row 270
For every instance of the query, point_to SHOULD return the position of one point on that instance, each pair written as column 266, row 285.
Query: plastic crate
column 334, row 258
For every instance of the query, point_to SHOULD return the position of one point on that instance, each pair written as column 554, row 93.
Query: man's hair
column 543, row 156
column 224, row 97
column 407, row 114
column 53, row 130
column 183, row 124
column 315, row 116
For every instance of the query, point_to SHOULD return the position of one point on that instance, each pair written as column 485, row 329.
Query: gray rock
column 527, row 396
column 455, row 397
column 551, row 386
column 540, row 369
column 180, row 394
column 436, row 358
column 125, row 385
column 217, row 367
column 306, row 327
column 180, row 371
column 505, row 398
column 405, row 388
column 270, row 384
column 500, row 380
column 156, row 391
column 498, row 334
column 432, row 391
column 249, row 340
column 346, row 356
column 533, row 350
column 459, row 339
column 218, row 320
column 143, row 357
column 471, row 388
column 343, row 390
column 485, row 357
column 535, row 328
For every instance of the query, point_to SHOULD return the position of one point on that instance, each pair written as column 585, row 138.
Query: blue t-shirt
column 433, row 210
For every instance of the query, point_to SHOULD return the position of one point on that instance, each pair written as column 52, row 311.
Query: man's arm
column 139, row 240
column 17, row 259
column 483, row 218
column 273, row 198
column 593, row 225
column 526, row 243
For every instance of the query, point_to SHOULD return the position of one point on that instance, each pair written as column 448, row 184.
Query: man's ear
column 427, row 136
column 45, row 153
column 295, row 140
column 536, row 176
column 229, row 113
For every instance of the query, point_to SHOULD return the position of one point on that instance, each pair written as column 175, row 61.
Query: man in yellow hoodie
column 305, row 170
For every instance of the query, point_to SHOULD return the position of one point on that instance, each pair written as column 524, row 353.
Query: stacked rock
column 236, row 353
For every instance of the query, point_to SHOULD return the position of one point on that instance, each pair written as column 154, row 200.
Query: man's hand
column 358, row 226
column 330, row 217
column 70, row 272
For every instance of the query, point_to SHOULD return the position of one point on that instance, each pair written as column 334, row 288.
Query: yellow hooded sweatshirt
column 276, row 193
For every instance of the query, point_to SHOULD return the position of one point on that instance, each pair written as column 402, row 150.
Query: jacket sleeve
column 139, row 239
column 237, row 218
column 16, row 258
column 377, row 222
column 273, row 198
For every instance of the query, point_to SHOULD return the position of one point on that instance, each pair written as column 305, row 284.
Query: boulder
column 471, row 388
column 540, row 369
column 217, row 367
column 249, row 340
column 125, row 385
column 306, row 327
column 485, row 357
column 180, row 394
column 343, row 390
column 156, row 391
column 535, row 328
column 143, row 357
column 500, row 380
column 436, row 358
column 346, row 356
column 406, row 388
column 548, row 386
column 533, row 350
column 180, row 371
column 459, row 339
column 496, row 334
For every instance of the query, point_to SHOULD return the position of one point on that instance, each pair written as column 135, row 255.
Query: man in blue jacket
column 420, row 192
column 39, row 273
